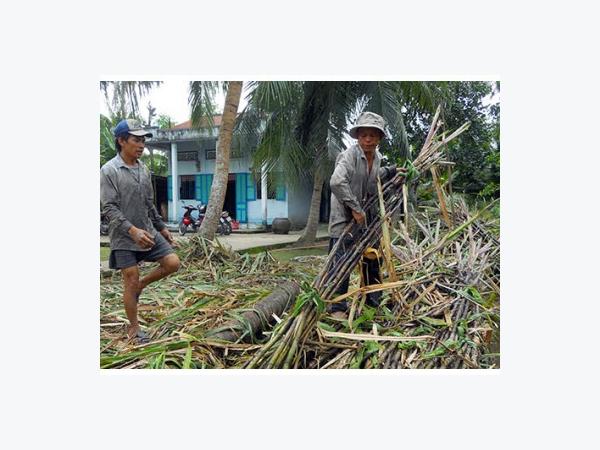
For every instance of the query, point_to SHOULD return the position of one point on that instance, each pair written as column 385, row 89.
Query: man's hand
column 359, row 217
column 141, row 237
column 402, row 171
column 167, row 235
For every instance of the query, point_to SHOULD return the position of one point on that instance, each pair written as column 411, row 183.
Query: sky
column 170, row 98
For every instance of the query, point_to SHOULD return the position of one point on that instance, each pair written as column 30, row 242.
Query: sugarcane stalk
column 441, row 199
column 386, row 243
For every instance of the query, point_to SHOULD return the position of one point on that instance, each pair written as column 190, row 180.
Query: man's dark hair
column 123, row 136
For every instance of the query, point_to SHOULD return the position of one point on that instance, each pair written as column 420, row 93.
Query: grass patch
column 286, row 254
column 104, row 253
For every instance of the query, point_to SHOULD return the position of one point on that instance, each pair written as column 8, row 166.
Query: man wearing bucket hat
column 354, row 180
column 137, row 232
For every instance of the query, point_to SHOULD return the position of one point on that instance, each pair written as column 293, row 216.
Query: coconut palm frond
column 201, row 100
column 273, row 96
column 278, row 149
column 123, row 97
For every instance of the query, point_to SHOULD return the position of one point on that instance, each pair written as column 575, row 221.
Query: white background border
column 54, row 395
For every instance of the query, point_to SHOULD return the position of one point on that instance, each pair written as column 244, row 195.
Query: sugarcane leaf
column 436, row 352
column 325, row 326
column 434, row 322
column 367, row 316
column 407, row 345
column 372, row 346
column 188, row 358
column 491, row 300
column 387, row 314
column 474, row 294
column 358, row 358
column 451, row 344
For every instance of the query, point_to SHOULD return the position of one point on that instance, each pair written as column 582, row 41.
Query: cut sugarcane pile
column 442, row 312
column 213, row 287
column 447, row 315
column 287, row 346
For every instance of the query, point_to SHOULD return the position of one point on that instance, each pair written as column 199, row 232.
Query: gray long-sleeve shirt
column 127, row 198
column 351, row 184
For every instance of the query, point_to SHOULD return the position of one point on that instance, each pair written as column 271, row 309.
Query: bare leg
column 168, row 265
column 131, row 289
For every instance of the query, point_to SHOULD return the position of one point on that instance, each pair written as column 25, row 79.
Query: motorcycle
column 224, row 227
column 188, row 220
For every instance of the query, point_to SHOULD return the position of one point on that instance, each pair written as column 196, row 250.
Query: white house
column 249, row 200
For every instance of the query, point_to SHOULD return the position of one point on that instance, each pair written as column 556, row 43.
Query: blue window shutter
column 251, row 194
column 203, row 185
column 198, row 194
column 170, row 188
column 280, row 192
column 241, row 205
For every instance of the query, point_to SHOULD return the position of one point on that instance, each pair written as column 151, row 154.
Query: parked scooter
column 188, row 221
column 224, row 226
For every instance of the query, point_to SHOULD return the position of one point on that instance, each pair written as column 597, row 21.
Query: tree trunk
column 221, row 175
column 309, row 235
column 261, row 314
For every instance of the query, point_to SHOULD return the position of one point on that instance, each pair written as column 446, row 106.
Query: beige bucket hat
column 368, row 119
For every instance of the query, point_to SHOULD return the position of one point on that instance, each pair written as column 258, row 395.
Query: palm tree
column 123, row 97
column 107, row 140
column 201, row 98
column 306, row 122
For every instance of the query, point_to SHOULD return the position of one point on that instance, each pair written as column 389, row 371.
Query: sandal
column 141, row 337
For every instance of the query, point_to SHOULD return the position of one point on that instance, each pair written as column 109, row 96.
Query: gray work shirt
column 351, row 184
column 127, row 198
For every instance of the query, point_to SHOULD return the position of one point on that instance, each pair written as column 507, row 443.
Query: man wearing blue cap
column 137, row 232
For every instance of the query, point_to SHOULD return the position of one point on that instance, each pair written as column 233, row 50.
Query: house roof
column 188, row 123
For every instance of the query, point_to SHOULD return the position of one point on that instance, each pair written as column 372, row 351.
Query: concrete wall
column 299, row 204
column 206, row 166
column 238, row 165
column 275, row 208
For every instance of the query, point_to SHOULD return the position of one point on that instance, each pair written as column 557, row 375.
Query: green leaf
column 325, row 326
column 367, row 316
column 411, row 171
column 451, row 344
column 372, row 346
column 436, row 352
column 434, row 322
column 188, row 358
column 407, row 345
column 474, row 294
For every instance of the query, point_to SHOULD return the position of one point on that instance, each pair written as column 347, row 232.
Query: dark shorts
column 121, row 259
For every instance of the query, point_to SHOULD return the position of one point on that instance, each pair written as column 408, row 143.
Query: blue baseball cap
column 130, row 126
